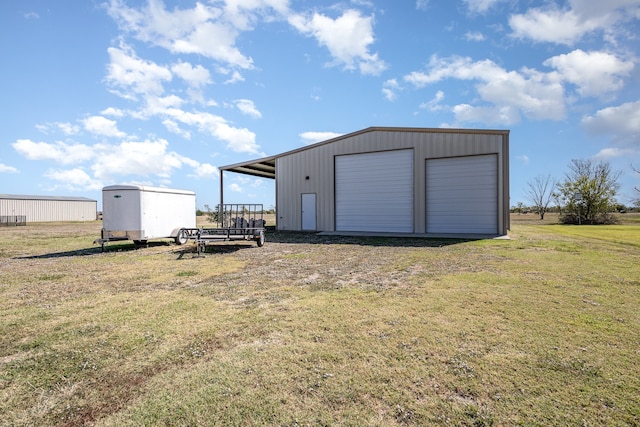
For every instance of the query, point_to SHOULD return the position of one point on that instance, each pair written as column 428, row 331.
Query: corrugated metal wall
column 312, row 170
column 49, row 210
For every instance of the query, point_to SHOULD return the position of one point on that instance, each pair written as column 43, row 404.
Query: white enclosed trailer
column 141, row 213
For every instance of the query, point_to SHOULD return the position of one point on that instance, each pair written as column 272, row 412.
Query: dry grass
column 542, row 329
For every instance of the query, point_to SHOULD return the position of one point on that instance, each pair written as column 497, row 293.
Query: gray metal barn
column 48, row 208
column 416, row 181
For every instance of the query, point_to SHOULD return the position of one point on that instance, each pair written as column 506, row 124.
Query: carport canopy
column 263, row 168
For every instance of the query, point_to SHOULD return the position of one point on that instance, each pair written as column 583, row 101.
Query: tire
column 182, row 237
column 260, row 239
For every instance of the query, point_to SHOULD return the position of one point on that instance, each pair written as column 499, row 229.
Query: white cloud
column 134, row 75
column 524, row 159
column 99, row 125
column 422, row 4
column 316, row 94
column 569, row 25
column 159, row 105
column 347, row 38
column 510, row 94
column 313, row 137
column 58, row 152
column 595, row 73
column 173, row 127
column 200, row 170
column 507, row 96
column 434, row 103
column 235, row 187
column 64, row 127
column 247, row 186
column 235, row 78
column 550, row 25
column 205, row 171
column 243, row 14
column 240, row 140
column 197, row 76
column 247, row 107
column 475, row 36
column 115, row 112
column 73, row 180
column 623, row 122
column 480, row 6
column 614, row 152
column 68, row 128
column 149, row 159
column 138, row 158
column 505, row 114
column 390, row 89
column 203, row 30
column 7, row 169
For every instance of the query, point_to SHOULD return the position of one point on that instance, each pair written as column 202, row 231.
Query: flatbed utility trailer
column 235, row 221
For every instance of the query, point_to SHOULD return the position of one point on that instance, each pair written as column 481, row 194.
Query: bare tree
column 540, row 193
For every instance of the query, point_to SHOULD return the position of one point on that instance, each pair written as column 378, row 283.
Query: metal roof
column 266, row 166
column 53, row 198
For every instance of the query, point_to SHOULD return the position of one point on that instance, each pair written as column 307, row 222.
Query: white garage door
column 462, row 195
column 374, row 191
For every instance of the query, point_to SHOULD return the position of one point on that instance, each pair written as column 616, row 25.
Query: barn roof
column 266, row 166
column 52, row 198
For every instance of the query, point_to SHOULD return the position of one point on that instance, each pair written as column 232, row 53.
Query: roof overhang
column 264, row 168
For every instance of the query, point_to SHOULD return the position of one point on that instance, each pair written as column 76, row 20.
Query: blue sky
column 97, row 93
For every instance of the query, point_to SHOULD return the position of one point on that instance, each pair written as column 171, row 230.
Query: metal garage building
column 47, row 208
column 417, row 181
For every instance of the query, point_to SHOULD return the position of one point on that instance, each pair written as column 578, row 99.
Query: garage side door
column 374, row 191
column 462, row 195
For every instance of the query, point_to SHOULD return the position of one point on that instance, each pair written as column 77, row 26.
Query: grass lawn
column 542, row 329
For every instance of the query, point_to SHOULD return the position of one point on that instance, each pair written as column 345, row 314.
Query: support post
column 221, row 190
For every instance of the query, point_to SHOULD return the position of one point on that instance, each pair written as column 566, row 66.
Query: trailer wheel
column 260, row 239
column 182, row 237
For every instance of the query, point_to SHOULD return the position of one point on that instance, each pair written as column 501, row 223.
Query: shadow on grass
column 389, row 241
column 218, row 248
column 289, row 237
column 120, row 247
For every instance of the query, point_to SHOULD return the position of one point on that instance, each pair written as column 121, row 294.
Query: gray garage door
column 374, row 191
column 462, row 195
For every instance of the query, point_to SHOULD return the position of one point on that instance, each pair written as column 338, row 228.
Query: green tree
column 540, row 193
column 587, row 195
column 212, row 215
column 519, row 208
